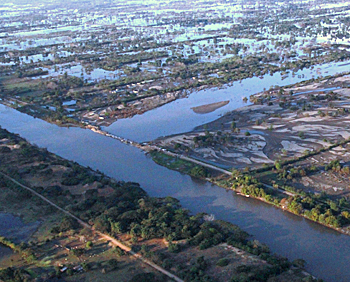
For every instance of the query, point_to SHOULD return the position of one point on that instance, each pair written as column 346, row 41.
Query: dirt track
column 102, row 235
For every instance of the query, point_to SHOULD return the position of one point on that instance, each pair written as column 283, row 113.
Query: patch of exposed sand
column 262, row 155
column 207, row 152
column 230, row 155
column 307, row 181
column 276, row 126
column 179, row 139
column 292, row 146
column 12, row 147
column 205, row 109
column 337, row 188
column 344, row 134
column 342, row 78
column 260, row 144
column 314, row 127
column 290, row 116
column 259, row 127
column 260, row 161
column 244, row 160
column 339, row 149
column 256, row 146
column 283, row 130
column 326, row 186
column 80, row 189
column 340, row 153
column 318, row 141
column 305, row 88
column 308, row 119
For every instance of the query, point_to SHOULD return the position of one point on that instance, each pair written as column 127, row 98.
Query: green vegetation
column 127, row 211
column 222, row 262
column 23, row 249
column 11, row 274
column 180, row 165
column 117, row 66
column 127, row 68
column 319, row 208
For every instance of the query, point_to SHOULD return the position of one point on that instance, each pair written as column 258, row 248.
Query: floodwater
column 326, row 251
column 178, row 117
column 14, row 228
column 5, row 252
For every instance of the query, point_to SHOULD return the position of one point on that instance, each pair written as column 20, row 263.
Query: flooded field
column 121, row 59
column 13, row 227
column 182, row 75
column 5, row 252
column 325, row 250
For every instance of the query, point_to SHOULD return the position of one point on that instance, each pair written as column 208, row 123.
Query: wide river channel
column 326, row 251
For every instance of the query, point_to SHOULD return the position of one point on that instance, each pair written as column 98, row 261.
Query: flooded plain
column 326, row 251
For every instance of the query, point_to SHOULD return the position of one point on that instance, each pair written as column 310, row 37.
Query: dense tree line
column 319, row 208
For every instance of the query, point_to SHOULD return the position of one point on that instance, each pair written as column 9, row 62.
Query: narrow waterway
column 178, row 116
column 326, row 251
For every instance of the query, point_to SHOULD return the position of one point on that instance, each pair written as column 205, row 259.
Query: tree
column 222, row 262
column 299, row 263
column 113, row 264
column 233, row 125
column 278, row 165
column 116, row 227
column 78, row 252
column 85, row 266
column 144, row 277
column 173, row 248
column 199, row 171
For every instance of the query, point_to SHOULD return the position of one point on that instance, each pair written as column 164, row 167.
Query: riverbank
column 247, row 186
column 266, row 223
column 76, row 190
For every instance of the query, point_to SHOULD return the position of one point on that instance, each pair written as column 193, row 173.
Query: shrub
column 222, row 262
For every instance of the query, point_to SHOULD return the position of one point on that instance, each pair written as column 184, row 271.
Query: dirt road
column 102, row 235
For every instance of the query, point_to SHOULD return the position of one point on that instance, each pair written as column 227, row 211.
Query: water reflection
column 326, row 251
column 178, row 117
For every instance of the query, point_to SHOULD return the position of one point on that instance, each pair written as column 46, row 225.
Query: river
column 326, row 251
column 178, row 117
